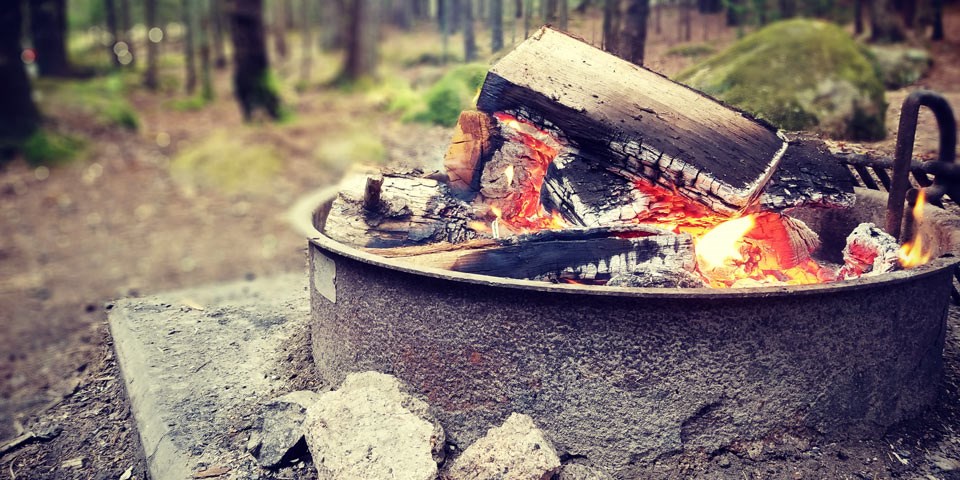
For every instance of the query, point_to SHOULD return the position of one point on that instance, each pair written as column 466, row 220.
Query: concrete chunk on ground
column 516, row 450
column 370, row 428
column 283, row 427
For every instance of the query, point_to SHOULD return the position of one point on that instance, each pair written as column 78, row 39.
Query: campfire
column 620, row 179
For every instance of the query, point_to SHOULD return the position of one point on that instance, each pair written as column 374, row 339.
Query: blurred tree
column 111, row 13
column 150, row 75
column 857, row 17
column 684, row 20
column 48, row 26
column 710, row 6
column 564, row 15
column 306, row 33
column 625, row 28
column 360, row 38
column 216, row 30
column 735, row 12
column 496, row 25
column 908, row 11
column 125, row 26
column 19, row 117
column 443, row 17
column 331, row 30
column 279, row 23
column 401, row 13
column 527, row 13
column 190, row 64
column 455, row 12
column 252, row 80
column 203, row 48
column 788, row 8
column 886, row 24
column 469, row 38
column 937, row 20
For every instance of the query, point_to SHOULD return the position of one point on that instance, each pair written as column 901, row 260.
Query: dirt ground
column 118, row 223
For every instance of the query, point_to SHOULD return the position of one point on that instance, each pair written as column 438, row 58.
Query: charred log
column 636, row 119
column 809, row 175
column 647, row 276
column 401, row 211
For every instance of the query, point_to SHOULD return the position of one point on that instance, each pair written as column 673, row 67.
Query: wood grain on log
column 648, row 124
column 809, row 175
column 472, row 141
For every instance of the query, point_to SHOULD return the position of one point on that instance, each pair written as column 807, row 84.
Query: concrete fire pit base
column 626, row 377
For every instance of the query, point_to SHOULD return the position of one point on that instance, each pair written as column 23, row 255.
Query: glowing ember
column 722, row 244
column 915, row 252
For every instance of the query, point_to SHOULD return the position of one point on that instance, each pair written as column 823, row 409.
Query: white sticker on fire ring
column 324, row 276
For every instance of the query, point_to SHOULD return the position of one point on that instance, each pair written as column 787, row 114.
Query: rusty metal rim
column 302, row 216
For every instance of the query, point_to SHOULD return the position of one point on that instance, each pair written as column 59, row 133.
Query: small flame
column 496, row 211
column 508, row 172
column 722, row 244
column 915, row 252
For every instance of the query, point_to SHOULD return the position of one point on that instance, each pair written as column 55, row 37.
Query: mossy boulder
column 900, row 66
column 799, row 75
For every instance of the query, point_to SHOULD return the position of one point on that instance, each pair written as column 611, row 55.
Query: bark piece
column 516, row 449
column 371, row 428
column 647, row 124
column 410, row 211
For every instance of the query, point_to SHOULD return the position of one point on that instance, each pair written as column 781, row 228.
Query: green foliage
column 691, row 50
column 223, row 161
column 357, row 145
column 101, row 98
column 798, row 74
column 189, row 104
column 442, row 103
column 51, row 148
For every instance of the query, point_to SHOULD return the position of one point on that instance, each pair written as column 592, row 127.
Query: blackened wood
column 598, row 258
column 19, row 117
column 646, row 276
column 411, row 211
column 371, row 193
column 48, row 25
column 646, row 122
column 809, row 175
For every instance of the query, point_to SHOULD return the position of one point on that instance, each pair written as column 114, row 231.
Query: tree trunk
column 908, row 11
column 858, row 17
column 454, row 12
column 686, row 17
column 111, row 14
column 251, row 78
column 203, row 43
column 496, row 25
column 937, row 21
column 48, row 25
column 331, row 30
column 216, row 22
column 734, row 13
column 279, row 24
column 564, row 14
column 190, row 79
column 658, row 14
column 469, row 40
column 125, row 26
column 630, row 33
column 443, row 16
column 610, row 25
column 306, row 32
column 527, row 12
column 150, row 75
column 361, row 42
column 19, row 117
column 886, row 24
column 788, row 8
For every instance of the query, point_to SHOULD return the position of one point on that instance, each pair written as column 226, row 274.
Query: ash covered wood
column 636, row 119
column 393, row 211
column 653, row 276
column 809, row 175
column 869, row 251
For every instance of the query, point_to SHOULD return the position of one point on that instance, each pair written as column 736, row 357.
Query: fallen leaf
column 127, row 474
column 211, row 472
column 73, row 463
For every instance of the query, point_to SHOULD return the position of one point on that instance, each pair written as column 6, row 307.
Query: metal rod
column 906, row 134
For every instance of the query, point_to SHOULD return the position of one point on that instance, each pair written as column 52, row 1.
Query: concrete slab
column 198, row 364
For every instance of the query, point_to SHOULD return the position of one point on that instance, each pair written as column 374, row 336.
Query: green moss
column 51, row 148
column 101, row 98
column 442, row 103
column 228, row 163
column 798, row 74
column 691, row 50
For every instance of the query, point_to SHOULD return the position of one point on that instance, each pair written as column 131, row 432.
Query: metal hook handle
column 906, row 134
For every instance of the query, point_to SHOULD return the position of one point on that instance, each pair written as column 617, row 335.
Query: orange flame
column 721, row 245
column 915, row 252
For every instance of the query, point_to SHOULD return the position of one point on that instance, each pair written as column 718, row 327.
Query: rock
column 127, row 474
column 282, row 428
column 516, row 450
column 370, row 428
column 578, row 471
column 799, row 75
column 900, row 66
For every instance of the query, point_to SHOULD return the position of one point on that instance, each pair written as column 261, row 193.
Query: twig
column 17, row 442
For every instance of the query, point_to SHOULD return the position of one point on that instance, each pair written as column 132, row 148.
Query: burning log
column 783, row 242
column 472, row 141
column 869, row 251
column 392, row 211
column 808, row 175
column 635, row 120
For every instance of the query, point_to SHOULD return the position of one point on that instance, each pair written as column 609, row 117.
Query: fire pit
column 626, row 375
column 518, row 280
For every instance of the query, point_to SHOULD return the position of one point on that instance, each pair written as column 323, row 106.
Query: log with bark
column 636, row 120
